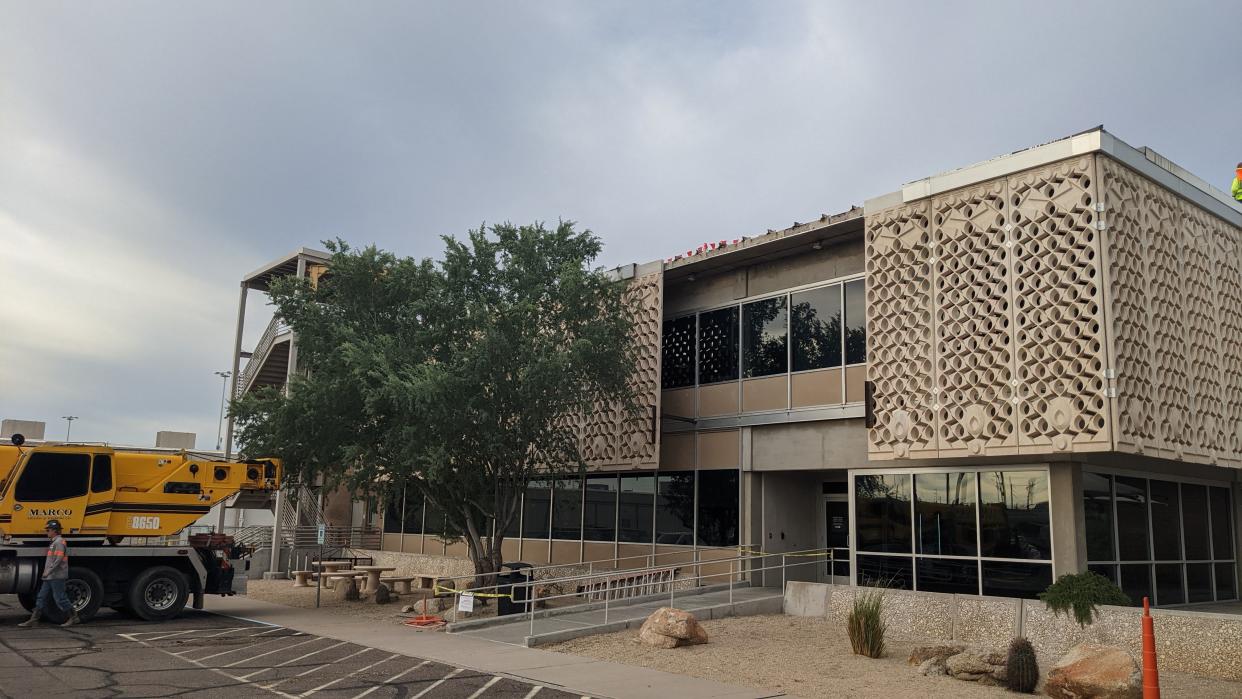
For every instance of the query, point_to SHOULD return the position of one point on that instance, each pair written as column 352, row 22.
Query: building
column 1050, row 341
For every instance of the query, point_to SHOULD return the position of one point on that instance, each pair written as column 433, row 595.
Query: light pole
column 68, row 427
column 224, row 389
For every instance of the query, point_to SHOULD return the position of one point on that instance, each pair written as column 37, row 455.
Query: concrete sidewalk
column 595, row 678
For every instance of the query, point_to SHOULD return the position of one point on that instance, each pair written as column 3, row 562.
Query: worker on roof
column 1236, row 189
column 55, row 574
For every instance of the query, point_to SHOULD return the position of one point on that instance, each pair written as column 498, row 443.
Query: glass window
column 675, row 508
column 413, row 512
column 1136, row 582
column 718, row 508
column 1198, row 582
column 1195, row 522
column 1222, row 523
column 764, row 332
column 882, row 513
column 101, row 474
column 567, row 508
column 1169, row 584
column 536, row 509
column 50, row 476
column 514, row 530
column 944, row 512
column 718, row 345
column 1025, row 580
column 435, row 524
column 816, row 323
column 947, row 575
column 855, row 322
column 636, row 508
column 895, row 572
column 1166, row 523
column 1013, row 515
column 1097, row 494
column 677, row 364
column 392, row 514
column 1132, row 531
column 1107, row 570
column 1225, row 586
column 599, row 513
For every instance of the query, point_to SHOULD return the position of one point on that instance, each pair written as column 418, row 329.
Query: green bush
column 865, row 625
column 1021, row 667
column 1081, row 594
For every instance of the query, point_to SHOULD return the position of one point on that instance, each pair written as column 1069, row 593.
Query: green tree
column 458, row 380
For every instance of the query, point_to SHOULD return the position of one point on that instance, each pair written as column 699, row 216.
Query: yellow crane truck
column 101, row 495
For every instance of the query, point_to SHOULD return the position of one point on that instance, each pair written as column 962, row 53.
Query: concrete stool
column 402, row 584
column 302, row 578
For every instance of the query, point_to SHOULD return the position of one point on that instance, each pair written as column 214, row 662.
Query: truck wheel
column 158, row 593
column 85, row 592
column 27, row 600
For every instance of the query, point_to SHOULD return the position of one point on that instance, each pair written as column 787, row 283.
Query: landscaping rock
column 649, row 637
column 1093, row 671
column 382, row 594
column 407, row 609
column 346, row 591
column 976, row 665
column 667, row 625
column 921, row 654
column 932, row 667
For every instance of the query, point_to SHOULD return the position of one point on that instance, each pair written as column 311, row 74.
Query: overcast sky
column 153, row 153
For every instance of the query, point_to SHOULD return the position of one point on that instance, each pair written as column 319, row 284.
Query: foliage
column 457, row 380
column 1021, row 667
column 865, row 625
column 1081, row 594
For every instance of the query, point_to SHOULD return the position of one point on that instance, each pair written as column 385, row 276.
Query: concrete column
column 293, row 337
column 274, row 568
column 1069, row 546
column 237, row 340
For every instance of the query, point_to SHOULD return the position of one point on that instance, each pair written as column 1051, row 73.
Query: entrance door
column 837, row 539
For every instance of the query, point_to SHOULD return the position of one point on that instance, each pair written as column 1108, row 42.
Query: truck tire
column 157, row 593
column 27, row 600
column 85, row 592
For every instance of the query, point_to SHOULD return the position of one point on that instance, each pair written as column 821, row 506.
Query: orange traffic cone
column 1151, row 676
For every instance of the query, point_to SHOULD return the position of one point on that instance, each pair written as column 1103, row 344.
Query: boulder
column 976, row 665
column 1094, row 671
column 655, row 640
column 932, row 667
column 667, row 625
column 407, row 609
column 382, row 594
column 922, row 654
column 346, row 591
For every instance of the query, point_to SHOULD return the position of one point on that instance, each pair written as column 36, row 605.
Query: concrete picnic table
column 328, row 567
column 373, row 575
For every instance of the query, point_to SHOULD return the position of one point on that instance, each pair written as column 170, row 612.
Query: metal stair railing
column 275, row 328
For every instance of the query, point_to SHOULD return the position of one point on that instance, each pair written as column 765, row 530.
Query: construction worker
column 1236, row 189
column 55, row 573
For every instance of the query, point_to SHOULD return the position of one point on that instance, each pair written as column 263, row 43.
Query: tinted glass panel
column 1226, row 587
column 1222, row 521
column 677, row 365
column 1024, row 580
column 567, row 508
column 101, row 474
column 536, row 508
column 944, row 513
column 675, row 508
column 599, row 516
column 1097, row 498
column 434, row 522
column 1169, row 584
column 1198, row 582
column 1132, row 533
column 1195, row 522
column 941, row 575
column 764, row 332
column 1136, row 582
column 1013, row 515
column 392, row 515
column 1108, row 571
column 882, row 513
column 1166, row 522
column 895, row 572
column 816, row 323
column 637, row 508
column 855, row 323
column 50, row 476
column 718, row 508
column 413, row 512
column 718, row 345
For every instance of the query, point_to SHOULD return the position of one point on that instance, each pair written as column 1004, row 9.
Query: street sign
column 321, row 534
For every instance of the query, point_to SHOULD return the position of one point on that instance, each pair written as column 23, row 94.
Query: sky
column 153, row 153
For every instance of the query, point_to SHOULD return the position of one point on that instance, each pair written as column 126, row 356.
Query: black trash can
column 513, row 583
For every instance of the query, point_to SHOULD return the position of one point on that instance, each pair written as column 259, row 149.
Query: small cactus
column 1021, row 668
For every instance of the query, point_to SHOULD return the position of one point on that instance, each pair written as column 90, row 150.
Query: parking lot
column 204, row 655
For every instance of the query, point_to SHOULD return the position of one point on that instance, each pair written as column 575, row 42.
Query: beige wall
column 819, row 387
column 719, row 449
column 767, row 393
column 827, row 444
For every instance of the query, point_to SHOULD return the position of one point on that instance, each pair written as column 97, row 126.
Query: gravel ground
column 283, row 592
column 808, row 657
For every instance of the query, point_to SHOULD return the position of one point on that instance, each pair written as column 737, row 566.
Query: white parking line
column 325, row 685
column 300, row 657
column 276, row 628
column 315, row 669
column 484, row 688
column 397, row 676
column 246, row 647
column 170, row 635
column 261, row 655
column 437, row 683
column 213, row 669
column 533, row 691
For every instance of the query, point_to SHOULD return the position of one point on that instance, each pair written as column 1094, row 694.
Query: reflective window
column 677, row 363
column 718, row 508
column 413, row 519
column 1107, row 570
column 1226, row 587
column 435, row 523
column 1132, row 533
column 636, row 510
column 948, row 575
column 1195, row 522
column 1025, row 580
column 855, row 322
column 50, row 476
column 816, row 323
column 718, row 345
column 1166, row 524
column 895, row 572
column 882, row 513
column 1013, row 515
column 101, row 474
column 1097, row 493
column 536, row 509
column 1198, row 582
column 675, row 508
column 567, row 508
column 1169, row 584
column 944, row 514
column 1222, row 522
column 764, row 331
column 599, row 509
column 392, row 514
column 1136, row 582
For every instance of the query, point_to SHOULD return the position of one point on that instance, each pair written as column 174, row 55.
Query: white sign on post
column 321, row 534
column 465, row 603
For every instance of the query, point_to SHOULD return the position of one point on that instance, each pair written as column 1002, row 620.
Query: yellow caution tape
column 486, row 595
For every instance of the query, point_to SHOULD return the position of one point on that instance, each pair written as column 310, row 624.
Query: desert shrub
column 865, row 624
column 1081, row 594
column 1021, row 667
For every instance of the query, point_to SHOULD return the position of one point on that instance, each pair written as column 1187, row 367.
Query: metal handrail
column 276, row 327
